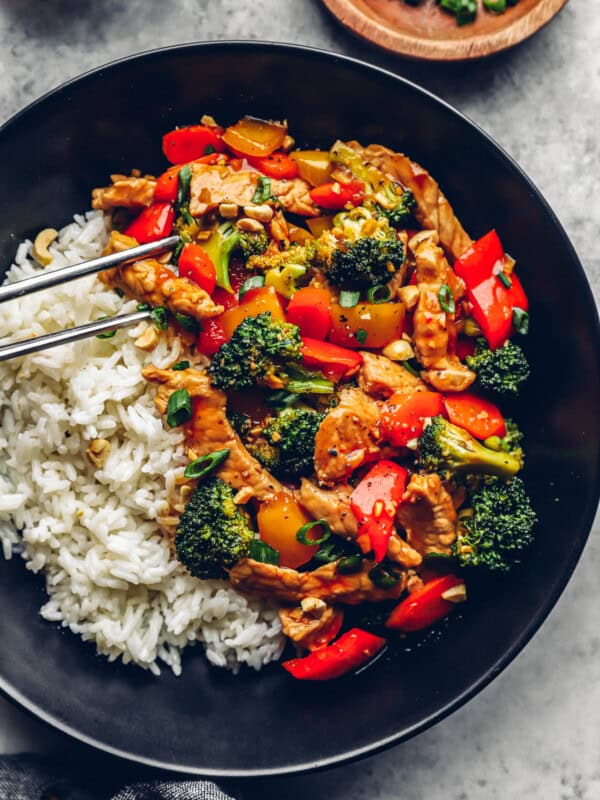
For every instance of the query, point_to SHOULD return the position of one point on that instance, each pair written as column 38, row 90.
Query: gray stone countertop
column 535, row 732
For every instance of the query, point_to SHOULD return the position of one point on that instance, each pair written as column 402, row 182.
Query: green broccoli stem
column 474, row 457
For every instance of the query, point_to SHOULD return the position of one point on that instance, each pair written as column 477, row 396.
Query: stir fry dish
column 346, row 349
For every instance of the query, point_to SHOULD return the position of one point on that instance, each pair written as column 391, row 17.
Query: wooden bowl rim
column 418, row 47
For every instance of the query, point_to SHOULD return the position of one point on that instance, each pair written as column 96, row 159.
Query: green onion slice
column 263, row 552
column 180, row 365
column 281, row 399
column 143, row 307
column 361, row 335
column 119, row 292
column 520, row 319
column 251, row 283
column 202, row 466
column 106, row 334
column 383, row 577
column 504, row 280
column 188, row 323
column 183, row 184
column 209, row 150
column 349, row 299
column 160, row 317
column 303, row 538
column 263, row 190
column 379, row 294
column 446, row 299
column 179, row 408
column 349, row 564
column 499, row 6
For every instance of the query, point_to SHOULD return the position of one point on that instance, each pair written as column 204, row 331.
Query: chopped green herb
column 263, row 190
column 183, row 184
column 209, row 150
column 349, row 299
column 504, row 280
column 181, row 365
column 252, row 283
column 384, row 577
column 119, row 292
column 160, row 317
column 379, row 294
column 349, row 564
column 263, row 552
column 446, row 299
column 361, row 335
column 179, row 408
column 520, row 319
column 106, row 334
column 203, row 466
column 302, row 534
column 188, row 323
column 143, row 307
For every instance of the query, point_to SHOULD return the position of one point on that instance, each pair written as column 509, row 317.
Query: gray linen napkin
column 30, row 778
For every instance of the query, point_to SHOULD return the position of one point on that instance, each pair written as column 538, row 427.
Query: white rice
column 110, row 576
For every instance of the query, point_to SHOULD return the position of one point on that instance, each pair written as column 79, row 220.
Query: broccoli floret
column 447, row 449
column 241, row 423
column 366, row 262
column 265, row 352
column 511, row 442
column 213, row 534
column 253, row 243
column 284, row 270
column 493, row 533
column 502, row 370
column 293, row 434
column 401, row 214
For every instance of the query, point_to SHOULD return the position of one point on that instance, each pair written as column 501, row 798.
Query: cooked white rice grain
column 110, row 576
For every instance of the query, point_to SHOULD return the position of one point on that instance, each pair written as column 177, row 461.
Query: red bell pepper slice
column 475, row 414
column 334, row 361
column 329, row 632
column 152, row 224
column 195, row 263
column 403, row 416
column 352, row 650
column 374, row 503
column 310, row 310
column 336, row 195
column 186, row 144
column 492, row 301
column 278, row 165
column 211, row 337
column 425, row 606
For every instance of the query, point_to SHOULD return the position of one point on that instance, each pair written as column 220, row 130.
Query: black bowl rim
column 13, row 694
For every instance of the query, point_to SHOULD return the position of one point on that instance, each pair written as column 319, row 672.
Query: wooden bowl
column 426, row 32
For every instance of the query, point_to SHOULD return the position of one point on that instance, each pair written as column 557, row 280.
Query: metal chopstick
column 26, row 346
column 55, row 277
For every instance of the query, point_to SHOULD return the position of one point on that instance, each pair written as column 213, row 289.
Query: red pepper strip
column 374, row 503
column 329, row 632
column 334, row 361
column 194, row 263
column 425, row 606
column 352, row 650
column 310, row 310
column 337, row 195
column 211, row 337
column 403, row 416
column 492, row 302
column 477, row 416
column 186, row 144
column 278, row 165
column 153, row 223
column 166, row 184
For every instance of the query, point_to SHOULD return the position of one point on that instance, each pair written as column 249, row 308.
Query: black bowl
column 209, row 721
